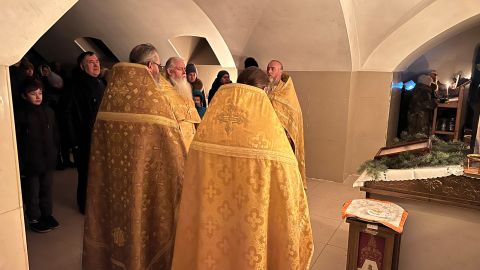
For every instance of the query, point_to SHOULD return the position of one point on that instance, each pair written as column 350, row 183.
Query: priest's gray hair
column 143, row 53
column 171, row 64
column 171, row 61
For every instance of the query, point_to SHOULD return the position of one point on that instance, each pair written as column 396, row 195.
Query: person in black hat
column 195, row 82
column 250, row 62
column 223, row 77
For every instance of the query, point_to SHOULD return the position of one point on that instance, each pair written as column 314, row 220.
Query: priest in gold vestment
column 180, row 91
column 243, row 204
column 285, row 102
column 184, row 109
column 136, row 173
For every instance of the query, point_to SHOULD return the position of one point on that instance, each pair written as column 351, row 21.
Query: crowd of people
column 168, row 178
column 54, row 117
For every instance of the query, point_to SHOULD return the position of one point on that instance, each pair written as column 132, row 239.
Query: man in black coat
column 85, row 98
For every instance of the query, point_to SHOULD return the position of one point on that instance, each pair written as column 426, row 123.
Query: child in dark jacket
column 199, row 101
column 37, row 153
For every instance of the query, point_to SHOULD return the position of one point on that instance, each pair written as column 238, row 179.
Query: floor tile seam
column 334, row 247
column 319, row 254
column 317, row 192
column 333, row 234
column 333, row 219
column 337, row 246
column 311, row 189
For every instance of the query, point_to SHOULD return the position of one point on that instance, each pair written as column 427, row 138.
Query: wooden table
column 460, row 191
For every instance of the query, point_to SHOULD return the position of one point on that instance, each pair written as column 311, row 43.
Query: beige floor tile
column 336, row 191
column 324, row 208
column 323, row 229
column 325, row 200
column 318, row 248
column 340, row 237
column 350, row 179
column 331, row 258
column 312, row 184
column 66, row 240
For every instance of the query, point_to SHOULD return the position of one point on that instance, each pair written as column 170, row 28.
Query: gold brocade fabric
column 135, row 176
column 184, row 109
column 285, row 102
column 243, row 204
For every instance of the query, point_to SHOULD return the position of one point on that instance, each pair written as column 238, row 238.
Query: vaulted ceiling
column 306, row 35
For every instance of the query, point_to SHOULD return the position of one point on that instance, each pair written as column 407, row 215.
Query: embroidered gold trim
column 244, row 87
column 137, row 118
column 242, row 152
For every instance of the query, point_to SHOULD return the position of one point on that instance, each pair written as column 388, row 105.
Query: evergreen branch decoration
column 441, row 154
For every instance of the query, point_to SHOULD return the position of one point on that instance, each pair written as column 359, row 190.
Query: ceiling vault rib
column 348, row 11
column 397, row 28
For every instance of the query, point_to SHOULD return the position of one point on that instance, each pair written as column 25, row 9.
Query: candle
column 448, row 86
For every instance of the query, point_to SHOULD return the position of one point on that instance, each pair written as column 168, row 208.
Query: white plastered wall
column 13, row 248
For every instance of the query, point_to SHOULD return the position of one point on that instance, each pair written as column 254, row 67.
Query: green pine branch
column 441, row 154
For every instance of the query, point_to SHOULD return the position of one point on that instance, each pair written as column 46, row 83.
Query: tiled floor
column 330, row 232
column 62, row 248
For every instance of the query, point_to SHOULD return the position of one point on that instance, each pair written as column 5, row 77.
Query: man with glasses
column 146, row 54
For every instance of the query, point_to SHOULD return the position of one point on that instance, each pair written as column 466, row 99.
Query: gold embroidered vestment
column 135, row 175
column 285, row 102
column 243, row 205
column 184, row 109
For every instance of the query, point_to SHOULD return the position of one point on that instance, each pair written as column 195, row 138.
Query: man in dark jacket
column 86, row 96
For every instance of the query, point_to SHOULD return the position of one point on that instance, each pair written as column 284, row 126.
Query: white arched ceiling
column 334, row 35
column 440, row 39
column 440, row 17
column 32, row 19
column 235, row 20
column 123, row 25
column 304, row 35
column 376, row 20
column 310, row 36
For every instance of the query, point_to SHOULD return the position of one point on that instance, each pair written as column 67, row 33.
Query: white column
column 13, row 247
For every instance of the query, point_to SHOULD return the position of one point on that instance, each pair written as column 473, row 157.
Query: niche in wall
column 106, row 56
column 452, row 57
column 194, row 49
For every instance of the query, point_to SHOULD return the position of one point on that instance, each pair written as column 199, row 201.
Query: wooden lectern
column 372, row 246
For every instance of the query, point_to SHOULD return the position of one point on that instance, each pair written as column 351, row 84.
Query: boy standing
column 37, row 152
column 199, row 101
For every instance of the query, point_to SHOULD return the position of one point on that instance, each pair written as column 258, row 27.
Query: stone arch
column 421, row 32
